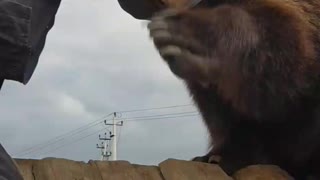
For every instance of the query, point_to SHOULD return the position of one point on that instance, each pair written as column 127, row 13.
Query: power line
column 77, row 140
column 159, row 115
column 56, row 139
column 60, row 137
column 145, row 119
column 139, row 118
column 92, row 124
column 85, row 127
column 160, row 118
column 157, row 108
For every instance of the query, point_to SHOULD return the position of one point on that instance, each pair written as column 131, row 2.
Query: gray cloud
column 97, row 60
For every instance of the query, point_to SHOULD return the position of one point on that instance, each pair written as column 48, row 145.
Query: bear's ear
column 141, row 9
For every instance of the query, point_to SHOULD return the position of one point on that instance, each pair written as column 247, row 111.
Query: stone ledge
column 171, row 169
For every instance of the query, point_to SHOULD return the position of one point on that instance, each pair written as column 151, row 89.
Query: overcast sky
column 98, row 60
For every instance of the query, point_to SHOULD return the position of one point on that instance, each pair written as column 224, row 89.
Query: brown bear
column 252, row 69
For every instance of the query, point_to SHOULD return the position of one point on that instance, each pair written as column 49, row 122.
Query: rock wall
column 171, row 169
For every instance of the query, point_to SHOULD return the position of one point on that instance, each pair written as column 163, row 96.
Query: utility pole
column 102, row 151
column 104, row 147
column 114, row 136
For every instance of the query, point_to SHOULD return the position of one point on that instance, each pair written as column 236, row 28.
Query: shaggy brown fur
column 252, row 68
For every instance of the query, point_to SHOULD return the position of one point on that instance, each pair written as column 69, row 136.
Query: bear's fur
column 252, row 68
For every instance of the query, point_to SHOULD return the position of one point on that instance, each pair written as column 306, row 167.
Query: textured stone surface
column 149, row 172
column 25, row 167
column 262, row 172
column 188, row 170
column 117, row 170
column 63, row 169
